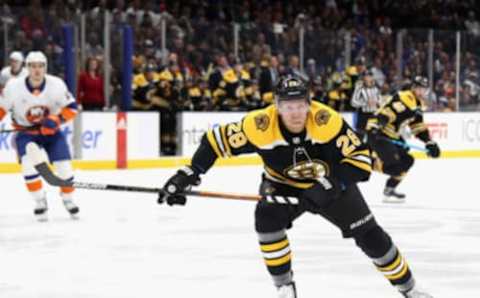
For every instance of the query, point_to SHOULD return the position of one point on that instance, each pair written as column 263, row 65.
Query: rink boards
column 458, row 135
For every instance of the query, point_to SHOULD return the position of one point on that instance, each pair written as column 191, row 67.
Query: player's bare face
column 15, row 65
column 36, row 72
column 294, row 114
column 421, row 92
column 369, row 81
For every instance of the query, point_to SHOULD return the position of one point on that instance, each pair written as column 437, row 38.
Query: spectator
column 268, row 78
column 90, row 94
column 473, row 25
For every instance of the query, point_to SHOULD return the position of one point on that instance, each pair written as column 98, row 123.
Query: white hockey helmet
column 17, row 56
column 36, row 56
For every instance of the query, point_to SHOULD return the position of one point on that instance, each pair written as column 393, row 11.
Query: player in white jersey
column 14, row 70
column 39, row 103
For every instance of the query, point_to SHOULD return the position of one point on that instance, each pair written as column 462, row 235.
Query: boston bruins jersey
column 328, row 147
column 168, row 91
column 337, row 99
column 403, row 109
column 143, row 90
column 225, row 85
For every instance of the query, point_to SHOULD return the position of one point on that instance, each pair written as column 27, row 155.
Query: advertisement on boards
column 143, row 135
column 455, row 131
column 98, row 138
column 195, row 124
column 7, row 149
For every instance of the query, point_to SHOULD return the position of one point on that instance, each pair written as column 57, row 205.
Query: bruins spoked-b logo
column 308, row 170
column 322, row 117
column 262, row 121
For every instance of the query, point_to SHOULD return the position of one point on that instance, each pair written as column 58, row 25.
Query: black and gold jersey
column 225, row 88
column 198, row 97
column 328, row 147
column 337, row 99
column 143, row 90
column 403, row 109
column 168, row 90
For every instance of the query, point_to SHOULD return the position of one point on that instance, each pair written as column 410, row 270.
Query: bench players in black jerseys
column 309, row 152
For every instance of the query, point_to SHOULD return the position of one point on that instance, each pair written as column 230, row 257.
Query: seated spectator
column 90, row 93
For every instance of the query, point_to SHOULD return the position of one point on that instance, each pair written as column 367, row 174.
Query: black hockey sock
column 394, row 181
column 378, row 245
column 277, row 255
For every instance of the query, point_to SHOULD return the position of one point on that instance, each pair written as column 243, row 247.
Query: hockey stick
column 402, row 144
column 18, row 129
column 40, row 164
column 9, row 130
column 406, row 145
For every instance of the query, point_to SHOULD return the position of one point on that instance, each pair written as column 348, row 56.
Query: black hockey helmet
column 420, row 81
column 291, row 87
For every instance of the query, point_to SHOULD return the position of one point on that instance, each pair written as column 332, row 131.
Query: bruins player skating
column 309, row 152
column 405, row 108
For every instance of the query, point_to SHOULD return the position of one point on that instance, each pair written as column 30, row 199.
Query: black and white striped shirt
column 366, row 99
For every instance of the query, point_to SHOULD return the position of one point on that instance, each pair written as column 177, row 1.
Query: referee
column 366, row 99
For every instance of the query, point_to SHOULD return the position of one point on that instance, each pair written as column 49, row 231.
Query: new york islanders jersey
column 328, row 147
column 29, row 105
column 6, row 74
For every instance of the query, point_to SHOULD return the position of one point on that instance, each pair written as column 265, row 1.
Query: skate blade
column 74, row 213
column 393, row 200
column 41, row 217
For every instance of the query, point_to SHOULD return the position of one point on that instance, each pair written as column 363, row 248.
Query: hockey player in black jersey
column 405, row 108
column 309, row 153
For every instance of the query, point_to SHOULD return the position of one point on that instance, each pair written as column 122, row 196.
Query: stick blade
column 39, row 160
column 44, row 170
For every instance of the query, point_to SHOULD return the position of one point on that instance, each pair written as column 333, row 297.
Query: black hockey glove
column 174, row 189
column 320, row 195
column 432, row 149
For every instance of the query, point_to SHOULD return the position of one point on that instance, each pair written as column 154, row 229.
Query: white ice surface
column 125, row 245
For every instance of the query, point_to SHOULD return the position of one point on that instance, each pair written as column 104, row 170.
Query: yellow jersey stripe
column 218, row 138
column 274, row 246
column 417, row 124
column 372, row 123
column 280, row 261
column 213, row 143
column 225, row 143
column 419, row 129
column 361, row 152
column 391, row 133
column 359, row 164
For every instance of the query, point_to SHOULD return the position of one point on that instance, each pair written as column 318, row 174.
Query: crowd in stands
column 200, row 71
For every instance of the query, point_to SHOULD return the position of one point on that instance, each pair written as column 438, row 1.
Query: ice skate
column 40, row 210
column 71, row 208
column 287, row 291
column 414, row 293
column 391, row 196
